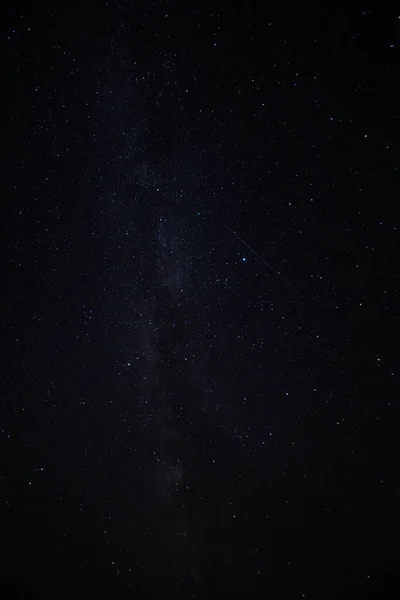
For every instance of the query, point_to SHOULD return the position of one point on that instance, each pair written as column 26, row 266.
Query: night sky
column 199, row 377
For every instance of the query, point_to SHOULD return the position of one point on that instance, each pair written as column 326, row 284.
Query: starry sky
column 199, row 332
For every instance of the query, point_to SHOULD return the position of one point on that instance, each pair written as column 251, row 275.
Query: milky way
column 199, row 273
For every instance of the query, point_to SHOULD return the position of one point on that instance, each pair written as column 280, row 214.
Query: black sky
column 199, row 332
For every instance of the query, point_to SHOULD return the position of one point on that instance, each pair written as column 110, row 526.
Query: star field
column 199, row 289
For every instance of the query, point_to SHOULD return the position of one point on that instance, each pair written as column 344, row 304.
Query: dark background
column 199, row 283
